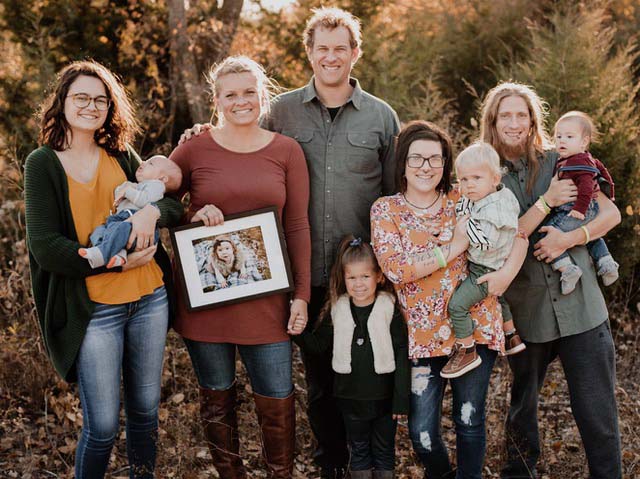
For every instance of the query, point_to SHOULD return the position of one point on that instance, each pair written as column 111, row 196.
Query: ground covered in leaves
column 40, row 419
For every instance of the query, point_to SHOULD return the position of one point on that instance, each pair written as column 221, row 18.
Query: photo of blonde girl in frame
column 231, row 259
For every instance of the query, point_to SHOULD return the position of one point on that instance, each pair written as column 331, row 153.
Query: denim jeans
column 324, row 415
column 371, row 431
column 588, row 361
column 561, row 220
column 111, row 237
column 268, row 366
column 128, row 340
column 469, row 397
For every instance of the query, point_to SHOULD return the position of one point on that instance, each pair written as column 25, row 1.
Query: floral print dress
column 398, row 233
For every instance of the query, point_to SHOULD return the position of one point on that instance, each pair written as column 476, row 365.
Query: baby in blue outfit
column 156, row 176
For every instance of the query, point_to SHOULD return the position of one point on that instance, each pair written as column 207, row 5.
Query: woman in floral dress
column 421, row 250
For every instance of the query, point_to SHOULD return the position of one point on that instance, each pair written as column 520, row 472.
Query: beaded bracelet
column 440, row 257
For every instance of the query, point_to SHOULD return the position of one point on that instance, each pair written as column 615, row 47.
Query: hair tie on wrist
column 587, row 236
column 439, row 257
column 356, row 241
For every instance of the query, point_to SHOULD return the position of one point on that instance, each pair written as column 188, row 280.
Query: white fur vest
column 377, row 326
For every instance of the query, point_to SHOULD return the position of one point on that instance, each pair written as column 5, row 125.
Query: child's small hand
column 117, row 201
column 576, row 214
column 399, row 417
column 224, row 283
column 298, row 317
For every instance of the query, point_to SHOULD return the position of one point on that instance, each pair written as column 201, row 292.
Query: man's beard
column 509, row 152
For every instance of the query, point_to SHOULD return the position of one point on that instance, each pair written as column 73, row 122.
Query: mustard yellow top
column 90, row 204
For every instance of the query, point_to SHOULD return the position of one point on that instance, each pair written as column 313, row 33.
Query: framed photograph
column 241, row 259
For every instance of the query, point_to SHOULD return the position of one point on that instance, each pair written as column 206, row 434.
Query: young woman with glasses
column 421, row 250
column 97, row 324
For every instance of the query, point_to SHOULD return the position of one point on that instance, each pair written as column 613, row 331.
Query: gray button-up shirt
column 350, row 162
column 540, row 311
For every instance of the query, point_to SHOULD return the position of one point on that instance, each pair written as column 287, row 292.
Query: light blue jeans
column 268, row 366
column 123, row 339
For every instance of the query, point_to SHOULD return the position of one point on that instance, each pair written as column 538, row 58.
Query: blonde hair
column 331, row 18
column 480, row 152
column 267, row 87
column 537, row 140
column 586, row 123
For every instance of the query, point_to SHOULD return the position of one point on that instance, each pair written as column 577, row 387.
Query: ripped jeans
column 469, row 397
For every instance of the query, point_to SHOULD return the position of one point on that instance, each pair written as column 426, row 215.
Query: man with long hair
column 573, row 327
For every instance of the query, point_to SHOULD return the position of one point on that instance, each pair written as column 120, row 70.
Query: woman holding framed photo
column 233, row 168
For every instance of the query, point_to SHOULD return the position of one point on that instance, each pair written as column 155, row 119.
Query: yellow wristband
column 439, row 257
column 587, row 236
column 544, row 204
column 538, row 204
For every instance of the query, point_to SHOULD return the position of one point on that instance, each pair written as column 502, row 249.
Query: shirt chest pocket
column 363, row 152
column 307, row 139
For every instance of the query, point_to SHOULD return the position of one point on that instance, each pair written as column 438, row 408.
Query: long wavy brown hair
column 119, row 127
column 537, row 140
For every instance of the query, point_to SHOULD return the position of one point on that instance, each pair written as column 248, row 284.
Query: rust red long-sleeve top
column 275, row 175
column 585, row 181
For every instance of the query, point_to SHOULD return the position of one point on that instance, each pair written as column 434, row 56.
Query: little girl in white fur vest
column 369, row 340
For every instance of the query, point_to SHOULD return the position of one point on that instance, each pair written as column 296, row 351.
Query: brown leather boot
column 220, row 424
column 277, row 419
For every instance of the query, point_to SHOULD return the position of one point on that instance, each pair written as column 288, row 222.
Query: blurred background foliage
column 429, row 59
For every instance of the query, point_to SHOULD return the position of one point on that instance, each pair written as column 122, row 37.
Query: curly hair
column 120, row 126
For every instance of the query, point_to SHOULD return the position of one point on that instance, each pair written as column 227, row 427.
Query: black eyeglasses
column 417, row 161
column 82, row 100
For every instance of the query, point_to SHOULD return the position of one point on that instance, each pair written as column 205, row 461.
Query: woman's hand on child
column 143, row 227
column 140, row 258
column 298, row 317
column 195, row 130
column 210, row 215
column 460, row 236
column 552, row 245
column 497, row 281
column 576, row 214
column 560, row 192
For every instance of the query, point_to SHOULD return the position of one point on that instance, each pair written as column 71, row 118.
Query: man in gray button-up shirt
column 347, row 136
column 573, row 327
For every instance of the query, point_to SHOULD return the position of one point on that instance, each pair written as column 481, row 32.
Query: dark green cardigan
column 57, row 271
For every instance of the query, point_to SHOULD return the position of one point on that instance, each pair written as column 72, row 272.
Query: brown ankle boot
column 220, row 424
column 277, row 419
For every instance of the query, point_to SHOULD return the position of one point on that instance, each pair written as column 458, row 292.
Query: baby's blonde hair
column 586, row 123
column 480, row 152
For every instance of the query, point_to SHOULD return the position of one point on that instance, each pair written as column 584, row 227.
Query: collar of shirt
column 356, row 96
column 491, row 198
